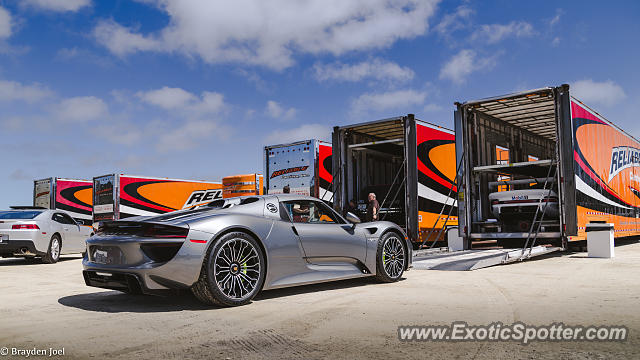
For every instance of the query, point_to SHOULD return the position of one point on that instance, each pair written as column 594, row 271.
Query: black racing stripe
column 132, row 190
column 428, row 205
column 434, row 185
column 423, row 155
column 140, row 207
column 69, row 194
column 327, row 164
column 325, row 184
column 66, row 207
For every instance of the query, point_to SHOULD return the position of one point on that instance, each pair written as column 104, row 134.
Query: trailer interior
column 526, row 125
column 375, row 164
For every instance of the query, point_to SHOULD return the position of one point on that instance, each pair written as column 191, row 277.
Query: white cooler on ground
column 454, row 240
column 600, row 240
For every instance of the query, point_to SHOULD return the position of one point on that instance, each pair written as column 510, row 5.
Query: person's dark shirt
column 373, row 204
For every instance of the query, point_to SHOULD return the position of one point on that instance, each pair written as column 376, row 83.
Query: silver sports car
column 27, row 231
column 229, row 250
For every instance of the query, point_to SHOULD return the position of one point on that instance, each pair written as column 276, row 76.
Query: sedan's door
column 324, row 235
column 72, row 238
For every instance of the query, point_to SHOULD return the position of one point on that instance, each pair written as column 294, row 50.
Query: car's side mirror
column 352, row 218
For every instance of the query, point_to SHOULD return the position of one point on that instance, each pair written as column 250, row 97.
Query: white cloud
column 592, row 92
column 12, row 90
column 81, row 109
column 494, row 33
column 464, row 63
column 167, row 98
column 376, row 69
column 556, row 18
column 400, row 99
column 121, row 40
column 555, row 42
column 307, row 131
column 432, row 108
column 277, row 111
column 454, row 21
column 187, row 135
column 5, row 23
column 268, row 33
column 180, row 99
column 57, row 5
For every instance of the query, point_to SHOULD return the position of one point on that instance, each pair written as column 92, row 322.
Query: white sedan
column 27, row 231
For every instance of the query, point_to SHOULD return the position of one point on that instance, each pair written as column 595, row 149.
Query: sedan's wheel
column 391, row 258
column 233, row 271
column 53, row 253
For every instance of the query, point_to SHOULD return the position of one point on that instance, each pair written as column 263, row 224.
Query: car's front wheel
column 233, row 271
column 391, row 257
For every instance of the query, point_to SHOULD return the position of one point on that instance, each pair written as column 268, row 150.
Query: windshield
column 20, row 215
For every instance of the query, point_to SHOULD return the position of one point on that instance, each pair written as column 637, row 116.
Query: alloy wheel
column 237, row 268
column 393, row 257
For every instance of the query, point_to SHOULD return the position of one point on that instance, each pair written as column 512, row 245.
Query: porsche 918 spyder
column 228, row 251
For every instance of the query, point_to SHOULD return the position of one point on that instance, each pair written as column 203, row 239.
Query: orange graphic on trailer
column 436, row 177
column 607, row 178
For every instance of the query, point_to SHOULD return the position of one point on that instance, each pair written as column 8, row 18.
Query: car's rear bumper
column 18, row 248
column 122, row 281
column 128, row 260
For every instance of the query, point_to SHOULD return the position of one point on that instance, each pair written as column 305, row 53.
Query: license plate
column 101, row 257
column 108, row 255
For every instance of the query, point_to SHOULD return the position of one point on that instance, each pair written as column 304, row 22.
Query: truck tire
column 53, row 252
column 391, row 257
column 231, row 278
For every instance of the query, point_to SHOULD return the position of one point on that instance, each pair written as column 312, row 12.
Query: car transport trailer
column 304, row 166
column 567, row 167
column 118, row 196
column 408, row 163
column 71, row 195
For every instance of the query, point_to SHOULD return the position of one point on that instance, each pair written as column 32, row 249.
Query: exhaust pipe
column 24, row 252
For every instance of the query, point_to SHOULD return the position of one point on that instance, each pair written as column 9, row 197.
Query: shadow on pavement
column 304, row 289
column 33, row 261
column 115, row 301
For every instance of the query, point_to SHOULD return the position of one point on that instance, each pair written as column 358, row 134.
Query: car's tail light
column 550, row 199
column 25, row 227
column 495, row 202
column 134, row 228
column 165, row 232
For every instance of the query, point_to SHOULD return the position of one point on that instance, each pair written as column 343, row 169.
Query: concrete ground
column 47, row 306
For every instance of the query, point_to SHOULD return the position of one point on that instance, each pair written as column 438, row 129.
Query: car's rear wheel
column 53, row 252
column 233, row 271
column 391, row 257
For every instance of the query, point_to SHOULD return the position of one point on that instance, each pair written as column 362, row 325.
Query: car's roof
column 280, row 197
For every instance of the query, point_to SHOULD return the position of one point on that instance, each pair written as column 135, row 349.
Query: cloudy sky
column 195, row 88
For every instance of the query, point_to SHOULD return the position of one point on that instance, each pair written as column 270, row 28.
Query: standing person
column 353, row 208
column 373, row 208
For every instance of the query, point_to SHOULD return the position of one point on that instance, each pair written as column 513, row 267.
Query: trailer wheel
column 390, row 258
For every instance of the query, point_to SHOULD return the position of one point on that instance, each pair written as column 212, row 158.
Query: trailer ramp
column 475, row 259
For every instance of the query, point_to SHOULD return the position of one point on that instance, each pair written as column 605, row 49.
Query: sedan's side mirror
column 352, row 218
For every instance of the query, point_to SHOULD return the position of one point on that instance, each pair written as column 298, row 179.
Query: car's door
column 325, row 236
column 72, row 242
